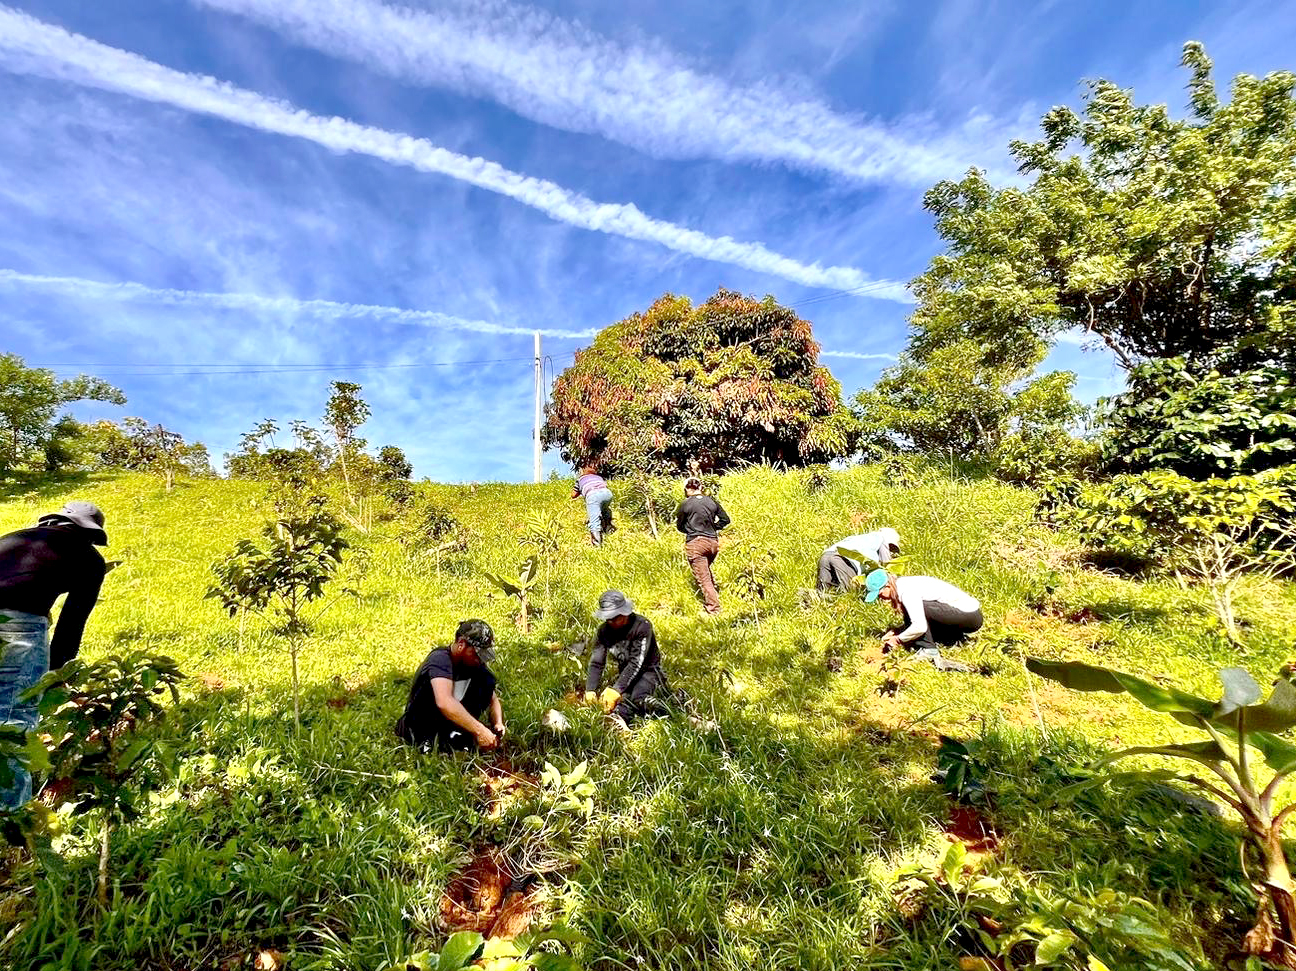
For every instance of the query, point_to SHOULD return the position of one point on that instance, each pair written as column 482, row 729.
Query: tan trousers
column 701, row 553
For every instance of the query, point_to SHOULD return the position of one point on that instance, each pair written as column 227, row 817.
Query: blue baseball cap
column 873, row 584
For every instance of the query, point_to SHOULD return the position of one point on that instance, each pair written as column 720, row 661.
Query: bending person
column 453, row 690
column 837, row 570
column 629, row 638
column 700, row 518
column 37, row 566
column 592, row 487
column 935, row 614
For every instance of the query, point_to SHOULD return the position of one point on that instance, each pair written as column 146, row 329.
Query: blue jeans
column 24, row 660
column 598, row 509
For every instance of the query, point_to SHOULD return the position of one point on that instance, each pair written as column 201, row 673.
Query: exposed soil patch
column 485, row 897
column 976, row 832
column 504, row 784
column 212, row 682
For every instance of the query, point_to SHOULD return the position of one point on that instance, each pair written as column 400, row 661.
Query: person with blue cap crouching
column 629, row 638
column 935, row 613
column 37, row 566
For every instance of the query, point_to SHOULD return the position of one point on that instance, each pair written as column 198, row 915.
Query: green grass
column 772, row 842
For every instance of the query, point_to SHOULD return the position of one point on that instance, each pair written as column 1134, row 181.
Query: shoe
column 618, row 723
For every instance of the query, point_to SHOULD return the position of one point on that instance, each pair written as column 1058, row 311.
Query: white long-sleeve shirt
column 916, row 592
column 875, row 546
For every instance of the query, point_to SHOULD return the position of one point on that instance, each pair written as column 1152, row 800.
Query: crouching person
column 935, row 614
column 453, row 695
column 629, row 638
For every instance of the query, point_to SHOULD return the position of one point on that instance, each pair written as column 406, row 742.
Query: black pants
column 640, row 699
column 945, row 625
column 836, row 571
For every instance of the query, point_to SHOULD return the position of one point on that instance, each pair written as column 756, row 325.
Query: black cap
column 478, row 635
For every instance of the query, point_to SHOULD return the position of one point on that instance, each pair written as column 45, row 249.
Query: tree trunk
column 170, row 479
column 242, row 623
column 103, row 859
column 652, row 517
column 292, row 652
column 1275, row 944
column 523, row 615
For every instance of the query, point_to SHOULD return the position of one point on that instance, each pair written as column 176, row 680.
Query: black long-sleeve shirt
column 700, row 516
column 633, row 647
column 40, row 564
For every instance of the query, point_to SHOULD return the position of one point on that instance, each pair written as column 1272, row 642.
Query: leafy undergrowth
column 771, row 831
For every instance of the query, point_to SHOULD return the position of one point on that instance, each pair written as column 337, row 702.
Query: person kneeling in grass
column 452, row 690
column 630, row 639
column 936, row 613
column 838, row 571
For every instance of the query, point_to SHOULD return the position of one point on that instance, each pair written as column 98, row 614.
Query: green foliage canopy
column 728, row 381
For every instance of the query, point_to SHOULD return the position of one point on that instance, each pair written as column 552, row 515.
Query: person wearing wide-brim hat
column 453, row 692
column 37, row 566
column 629, row 638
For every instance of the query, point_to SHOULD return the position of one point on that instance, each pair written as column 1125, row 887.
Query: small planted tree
column 344, row 412
column 300, row 556
column 527, row 575
column 100, row 718
column 541, row 532
column 1235, row 725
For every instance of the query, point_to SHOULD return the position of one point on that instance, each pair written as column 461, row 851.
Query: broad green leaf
column 576, row 774
column 1207, row 752
column 555, row 962
column 459, row 951
column 952, row 864
column 1096, row 964
column 1279, row 754
column 1087, row 677
column 1054, row 946
column 1240, row 690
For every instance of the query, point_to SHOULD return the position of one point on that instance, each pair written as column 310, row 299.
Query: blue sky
column 292, row 191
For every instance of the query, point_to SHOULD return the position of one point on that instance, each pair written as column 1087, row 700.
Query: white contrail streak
column 561, row 74
column 285, row 306
column 31, row 46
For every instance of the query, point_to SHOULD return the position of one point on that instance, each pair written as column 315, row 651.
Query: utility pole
column 539, row 376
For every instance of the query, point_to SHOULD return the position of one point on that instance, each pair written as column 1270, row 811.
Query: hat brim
column 625, row 611
column 487, row 654
column 871, row 596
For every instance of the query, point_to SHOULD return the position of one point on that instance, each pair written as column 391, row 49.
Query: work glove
column 590, row 697
column 609, row 698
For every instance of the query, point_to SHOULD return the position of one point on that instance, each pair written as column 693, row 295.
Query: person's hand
column 500, row 729
column 591, row 698
column 609, row 698
column 891, row 640
column 486, row 739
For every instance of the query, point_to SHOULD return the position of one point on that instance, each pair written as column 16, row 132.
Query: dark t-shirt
column 40, row 564
column 473, row 687
column 633, row 647
column 700, row 516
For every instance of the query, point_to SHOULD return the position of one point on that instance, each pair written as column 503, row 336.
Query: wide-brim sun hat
column 613, row 603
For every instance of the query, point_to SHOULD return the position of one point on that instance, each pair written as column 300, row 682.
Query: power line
column 200, row 370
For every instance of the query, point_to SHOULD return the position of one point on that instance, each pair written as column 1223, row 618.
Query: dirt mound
column 504, row 784
column 975, row 831
column 484, row 897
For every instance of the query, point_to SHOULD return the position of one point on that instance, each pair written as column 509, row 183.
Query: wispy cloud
column 317, row 309
column 856, row 355
column 561, row 74
column 31, row 46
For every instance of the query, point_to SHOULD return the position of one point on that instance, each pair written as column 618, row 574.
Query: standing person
column 453, row 690
column 700, row 518
column 598, row 502
column 837, row 570
column 629, row 638
column 37, row 566
column 935, row 613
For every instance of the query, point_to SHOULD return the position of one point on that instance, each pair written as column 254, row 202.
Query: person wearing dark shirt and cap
column 38, row 565
column 629, row 638
column 700, row 518
column 453, row 691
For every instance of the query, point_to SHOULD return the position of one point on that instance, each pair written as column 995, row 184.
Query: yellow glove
column 590, row 697
column 609, row 698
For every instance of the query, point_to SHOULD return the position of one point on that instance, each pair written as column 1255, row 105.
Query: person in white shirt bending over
column 839, row 570
column 936, row 613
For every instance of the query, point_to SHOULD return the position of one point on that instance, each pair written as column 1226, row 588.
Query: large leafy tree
column 730, row 380
column 33, row 427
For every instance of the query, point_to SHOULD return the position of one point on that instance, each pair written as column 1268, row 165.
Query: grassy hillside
column 772, row 840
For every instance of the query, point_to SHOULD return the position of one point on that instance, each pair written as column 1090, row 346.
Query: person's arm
column 81, row 599
column 497, row 715
column 913, row 606
column 594, row 675
column 575, row 492
column 721, row 517
column 443, row 691
column 680, row 519
column 632, row 667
